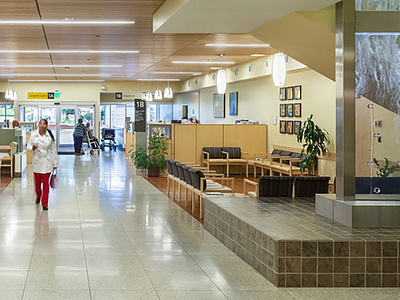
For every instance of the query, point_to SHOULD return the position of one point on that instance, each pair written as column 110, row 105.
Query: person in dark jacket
column 79, row 132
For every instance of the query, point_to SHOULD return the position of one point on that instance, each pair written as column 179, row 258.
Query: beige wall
column 259, row 100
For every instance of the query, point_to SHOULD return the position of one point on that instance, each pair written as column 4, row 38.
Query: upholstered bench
column 224, row 156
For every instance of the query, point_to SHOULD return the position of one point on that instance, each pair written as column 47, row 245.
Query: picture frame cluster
column 290, row 110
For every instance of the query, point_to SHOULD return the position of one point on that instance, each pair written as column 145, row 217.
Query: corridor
column 111, row 235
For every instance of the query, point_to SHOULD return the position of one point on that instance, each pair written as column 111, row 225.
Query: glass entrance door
column 66, row 126
column 62, row 120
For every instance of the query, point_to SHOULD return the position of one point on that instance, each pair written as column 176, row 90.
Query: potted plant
column 154, row 158
column 315, row 142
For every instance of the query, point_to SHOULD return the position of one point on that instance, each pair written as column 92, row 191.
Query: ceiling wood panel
column 156, row 50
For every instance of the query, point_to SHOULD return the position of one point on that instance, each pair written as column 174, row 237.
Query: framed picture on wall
column 233, row 104
column 297, row 110
column 282, row 110
column 218, row 106
column 297, row 92
column 296, row 128
column 289, row 127
column 282, row 94
column 282, row 126
column 289, row 93
column 289, row 110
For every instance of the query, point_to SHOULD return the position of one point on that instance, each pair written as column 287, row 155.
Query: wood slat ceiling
column 156, row 50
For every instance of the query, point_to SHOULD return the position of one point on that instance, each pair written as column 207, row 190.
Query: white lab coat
column 45, row 157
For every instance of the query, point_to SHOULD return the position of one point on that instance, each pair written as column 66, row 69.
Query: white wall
column 191, row 99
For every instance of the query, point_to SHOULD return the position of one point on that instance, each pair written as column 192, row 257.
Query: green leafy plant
column 385, row 170
column 154, row 157
column 315, row 142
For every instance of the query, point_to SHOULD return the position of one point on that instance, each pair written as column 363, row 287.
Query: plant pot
column 153, row 172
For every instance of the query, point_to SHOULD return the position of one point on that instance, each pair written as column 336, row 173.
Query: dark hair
column 48, row 130
column 80, row 121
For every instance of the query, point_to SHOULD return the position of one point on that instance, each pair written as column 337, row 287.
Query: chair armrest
column 284, row 157
column 249, row 182
column 227, row 154
column 295, row 159
column 207, row 155
column 213, row 176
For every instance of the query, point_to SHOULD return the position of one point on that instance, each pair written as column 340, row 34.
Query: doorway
column 61, row 119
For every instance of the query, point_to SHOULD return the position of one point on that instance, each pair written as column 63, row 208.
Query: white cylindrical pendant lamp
column 14, row 96
column 9, row 94
column 143, row 96
column 149, row 96
column 279, row 69
column 168, row 94
column 221, row 81
column 158, row 95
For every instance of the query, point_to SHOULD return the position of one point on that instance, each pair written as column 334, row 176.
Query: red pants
column 39, row 179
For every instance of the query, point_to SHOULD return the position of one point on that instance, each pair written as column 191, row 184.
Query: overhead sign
column 40, row 95
column 140, row 115
column 127, row 96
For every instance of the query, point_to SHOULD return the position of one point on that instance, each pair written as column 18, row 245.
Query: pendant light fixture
column 279, row 69
column 143, row 93
column 14, row 96
column 9, row 92
column 221, row 81
column 168, row 94
column 158, row 93
column 149, row 96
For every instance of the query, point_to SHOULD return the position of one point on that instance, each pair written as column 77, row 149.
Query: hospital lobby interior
column 240, row 149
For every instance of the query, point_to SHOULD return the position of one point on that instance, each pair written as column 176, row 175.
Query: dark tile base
column 301, row 262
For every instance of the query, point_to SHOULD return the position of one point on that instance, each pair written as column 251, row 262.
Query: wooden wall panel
column 208, row 136
column 184, row 142
column 251, row 138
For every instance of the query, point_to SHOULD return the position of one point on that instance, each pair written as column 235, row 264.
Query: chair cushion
column 285, row 153
column 308, row 186
column 196, row 179
column 234, row 152
column 175, row 170
column 276, row 152
column 215, row 152
column 275, row 186
column 296, row 155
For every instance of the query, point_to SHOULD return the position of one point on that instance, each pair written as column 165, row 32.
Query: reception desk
column 188, row 140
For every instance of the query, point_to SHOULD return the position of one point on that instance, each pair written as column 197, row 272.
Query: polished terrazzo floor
column 111, row 235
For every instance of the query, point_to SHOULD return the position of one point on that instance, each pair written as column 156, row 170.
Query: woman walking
column 44, row 161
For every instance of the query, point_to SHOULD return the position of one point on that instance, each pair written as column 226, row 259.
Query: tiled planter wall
column 307, row 263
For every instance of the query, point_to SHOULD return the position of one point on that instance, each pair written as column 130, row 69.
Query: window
column 6, row 113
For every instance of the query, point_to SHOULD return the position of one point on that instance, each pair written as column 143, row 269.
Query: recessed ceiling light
column 221, row 55
column 61, row 66
column 160, row 79
column 71, row 51
column 60, row 75
column 66, row 21
column 257, row 55
column 237, row 45
column 178, row 73
column 52, row 80
column 204, row 62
